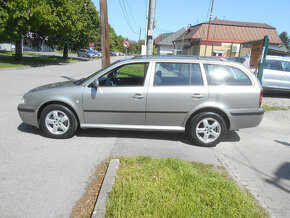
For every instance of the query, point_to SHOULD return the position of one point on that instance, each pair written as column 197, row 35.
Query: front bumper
column 28, row 114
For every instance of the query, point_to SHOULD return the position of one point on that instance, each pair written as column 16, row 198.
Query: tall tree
column 79, row 25
column 285, row 39
column 23, row 17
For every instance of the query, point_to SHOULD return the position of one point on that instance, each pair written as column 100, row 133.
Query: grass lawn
column 274, row 108
column 29, row 59
column 147, row 187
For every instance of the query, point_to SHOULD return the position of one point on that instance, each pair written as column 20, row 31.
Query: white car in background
column 276, row 75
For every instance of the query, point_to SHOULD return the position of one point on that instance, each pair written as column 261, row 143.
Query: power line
column 206, row 17
column 126, row 16
column 163, row 30
column 131, row 14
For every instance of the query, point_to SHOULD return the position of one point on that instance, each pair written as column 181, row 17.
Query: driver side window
column 126, row 75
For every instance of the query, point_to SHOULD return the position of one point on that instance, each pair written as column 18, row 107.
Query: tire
column 57, row 121
column 207, row 129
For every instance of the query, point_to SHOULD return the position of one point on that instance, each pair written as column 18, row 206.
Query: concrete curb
column 102, row 200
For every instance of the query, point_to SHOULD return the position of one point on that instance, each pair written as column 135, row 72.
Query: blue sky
column 173, row 15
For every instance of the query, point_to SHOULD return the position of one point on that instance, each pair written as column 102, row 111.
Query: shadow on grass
column 232, row 136
column 8, row 61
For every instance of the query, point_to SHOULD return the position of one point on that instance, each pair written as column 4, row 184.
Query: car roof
column 176, row 57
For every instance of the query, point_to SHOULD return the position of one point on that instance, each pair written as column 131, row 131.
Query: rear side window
column 225, row 75
column 177, row 74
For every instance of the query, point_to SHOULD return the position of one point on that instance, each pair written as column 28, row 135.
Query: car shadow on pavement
column 277, row 94
column 232, row 136
column 23, row 127
column 282, row 172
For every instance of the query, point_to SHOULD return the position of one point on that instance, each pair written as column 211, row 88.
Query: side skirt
column 134, row 127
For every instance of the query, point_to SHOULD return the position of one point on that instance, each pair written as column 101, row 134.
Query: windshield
column 91, row 76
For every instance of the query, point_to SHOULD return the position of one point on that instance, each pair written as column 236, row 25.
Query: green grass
column 7, row 60
column 147, row 187
column 274, row 108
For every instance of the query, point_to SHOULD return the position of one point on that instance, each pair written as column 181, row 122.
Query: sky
column 173, row 15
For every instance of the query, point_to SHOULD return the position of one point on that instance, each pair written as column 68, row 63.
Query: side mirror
column 96, row 83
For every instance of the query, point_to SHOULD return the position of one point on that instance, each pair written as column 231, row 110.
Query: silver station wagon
column 203, row 97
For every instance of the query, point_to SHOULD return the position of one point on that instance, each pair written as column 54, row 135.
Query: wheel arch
column 209, row 109
column 60, row 103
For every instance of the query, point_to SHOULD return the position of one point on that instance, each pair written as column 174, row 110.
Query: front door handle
column 196, row 96
column 138, row 96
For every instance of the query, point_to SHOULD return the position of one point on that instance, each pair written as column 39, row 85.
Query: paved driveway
column 41, row 177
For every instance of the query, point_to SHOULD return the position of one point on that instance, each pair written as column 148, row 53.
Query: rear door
column 174, row 90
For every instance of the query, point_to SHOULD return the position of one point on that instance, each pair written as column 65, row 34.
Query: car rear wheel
column 57, row 121
column 207, row 129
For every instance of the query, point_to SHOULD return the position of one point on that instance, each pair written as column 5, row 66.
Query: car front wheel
column 57, row 121
column 207, row 129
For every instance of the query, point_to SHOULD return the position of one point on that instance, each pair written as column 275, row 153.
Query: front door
column 285, row 82
column 120, row 97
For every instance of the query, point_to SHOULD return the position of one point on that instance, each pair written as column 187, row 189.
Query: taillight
column 261, row 98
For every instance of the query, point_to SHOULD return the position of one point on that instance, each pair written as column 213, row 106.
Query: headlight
column 22, row 101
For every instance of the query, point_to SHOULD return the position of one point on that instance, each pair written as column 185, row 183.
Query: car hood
column 53, row 86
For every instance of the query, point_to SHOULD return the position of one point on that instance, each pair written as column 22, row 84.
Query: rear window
column 225, row 75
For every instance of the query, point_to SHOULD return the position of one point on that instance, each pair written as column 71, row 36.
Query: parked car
column 86, row 53
column 203, row 97
column 276, row 75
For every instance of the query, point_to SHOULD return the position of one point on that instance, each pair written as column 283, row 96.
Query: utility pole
column 140, row 34
column 210, row 17
column 151, row 25
column 104, row 34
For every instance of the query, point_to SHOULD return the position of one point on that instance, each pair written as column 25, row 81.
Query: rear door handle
column 196, row 96
column 138, row 96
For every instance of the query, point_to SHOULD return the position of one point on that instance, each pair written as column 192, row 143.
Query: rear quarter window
column 225, row 75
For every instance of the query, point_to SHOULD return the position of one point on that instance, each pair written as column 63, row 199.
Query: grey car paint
column 166, row 108
column 276, row 76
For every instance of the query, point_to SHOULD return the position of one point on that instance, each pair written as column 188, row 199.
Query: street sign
column 126, row 44
column 91, row 44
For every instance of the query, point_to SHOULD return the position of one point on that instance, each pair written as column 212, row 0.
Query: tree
column 61, row 22
column 85, row 27
column 24, row 17
column 285, row 39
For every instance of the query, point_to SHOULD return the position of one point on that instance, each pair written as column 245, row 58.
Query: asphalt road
column 41, row 177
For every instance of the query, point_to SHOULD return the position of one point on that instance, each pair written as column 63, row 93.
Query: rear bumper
column 240, row 119
column 27, row 114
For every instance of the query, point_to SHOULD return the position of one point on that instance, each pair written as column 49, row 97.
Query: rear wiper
column 69, row 78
